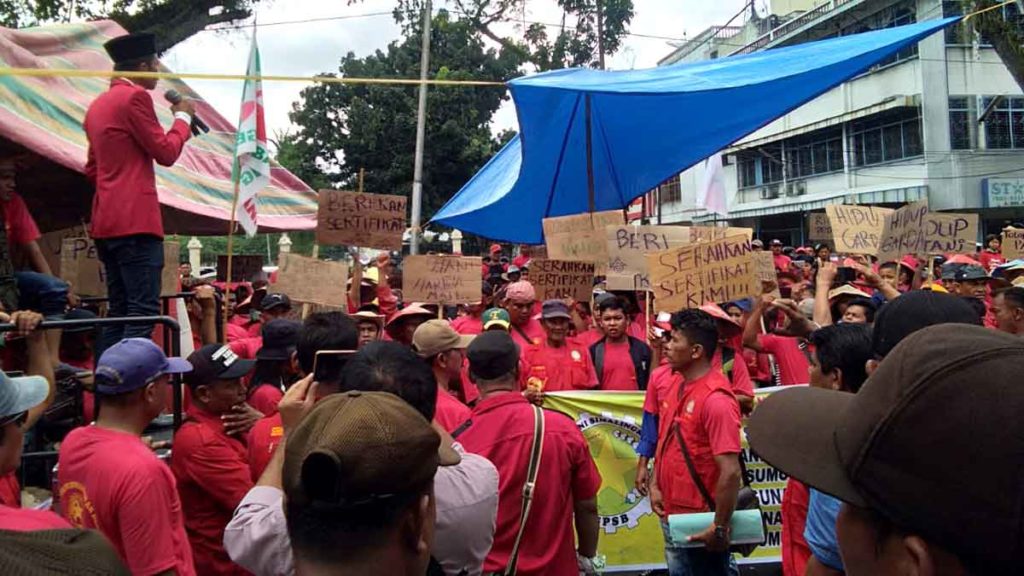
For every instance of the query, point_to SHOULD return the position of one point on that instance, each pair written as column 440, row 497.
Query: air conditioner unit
column 770, row 192
column 798, row 188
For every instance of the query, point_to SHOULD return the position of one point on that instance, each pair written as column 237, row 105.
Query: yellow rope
column 983, row 10
column 74, row 73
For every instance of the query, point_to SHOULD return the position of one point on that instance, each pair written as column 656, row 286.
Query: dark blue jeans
column 133, row 265
column 696, row 561
column 42, row 293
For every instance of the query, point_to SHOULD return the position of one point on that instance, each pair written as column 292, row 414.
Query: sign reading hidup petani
column 52, row 243
column 945, row 233
column 1013, row 243
column 819, row 227
column 904, row 232
column 856, row 229
column 357, row 219
column 442, row 279
column 716, row 271
column 311, row 280
column 628, row 247
column 560, row 279
column 581, row 237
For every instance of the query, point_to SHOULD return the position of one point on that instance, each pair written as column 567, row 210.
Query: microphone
column 198, row 125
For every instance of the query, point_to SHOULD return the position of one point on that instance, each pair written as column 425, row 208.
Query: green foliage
column 343, row 128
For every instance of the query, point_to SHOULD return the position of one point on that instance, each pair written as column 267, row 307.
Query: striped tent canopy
column 43, row 116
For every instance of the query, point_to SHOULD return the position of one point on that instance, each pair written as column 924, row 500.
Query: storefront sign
column 1003, row 192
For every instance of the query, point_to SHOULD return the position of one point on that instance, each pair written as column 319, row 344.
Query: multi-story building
column 943, row 120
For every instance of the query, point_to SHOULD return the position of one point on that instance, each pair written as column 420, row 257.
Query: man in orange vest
column 701, row 411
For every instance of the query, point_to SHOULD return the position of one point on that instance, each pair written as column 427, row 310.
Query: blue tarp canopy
column 644, row 126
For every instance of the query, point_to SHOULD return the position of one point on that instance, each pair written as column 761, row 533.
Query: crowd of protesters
column 392, row 437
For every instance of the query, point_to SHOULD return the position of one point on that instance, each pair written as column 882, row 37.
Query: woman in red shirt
column 992, row 255
column 276, row 366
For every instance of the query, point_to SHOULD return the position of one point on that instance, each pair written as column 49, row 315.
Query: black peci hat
column 131, row 47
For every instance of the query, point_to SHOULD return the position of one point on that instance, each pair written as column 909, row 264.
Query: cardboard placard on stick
column 581, row 237
column 856, row 229
column 358, row 219
column 244, row 267
column 81, row 266
column 708, row 233
column 715, row 271
column 439, row 279
column 52, row 243
column 950, row 233
column 819, row 227
column 561, row 279
column 764, row 266
column 628, row 247
column 1013, row 243
column 169, row 276
column 311, row 280
column 904, row 232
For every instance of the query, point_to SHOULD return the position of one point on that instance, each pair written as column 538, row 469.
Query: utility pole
column 421, row 126
column 600, row 35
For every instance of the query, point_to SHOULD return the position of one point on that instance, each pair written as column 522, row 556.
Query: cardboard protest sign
column 358, row 219
column 819, row 227
column 764, row 266
column 856, row 229
column 715, row 271
column 169, row 276
column 581, row 237
column 51, row 244
column 561, row 279
column 950, row 233
column 904, row 232
column 441, row 279
column 708, row 233
column 1013, row 243
column 244, row 267
column 311, row 280
column 628, row 247
column 81, row 266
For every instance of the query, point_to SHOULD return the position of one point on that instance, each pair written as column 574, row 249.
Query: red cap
column 495, row 248
column 730, row 328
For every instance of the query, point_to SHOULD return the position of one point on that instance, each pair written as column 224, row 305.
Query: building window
column 1004, row 126
column 961, row 117
column 887, row 137
column 897, row 15
column 819, row 152
column 759, row 166
column 670, row 190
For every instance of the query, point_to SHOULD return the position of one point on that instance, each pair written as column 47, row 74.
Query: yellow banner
column 631, row 537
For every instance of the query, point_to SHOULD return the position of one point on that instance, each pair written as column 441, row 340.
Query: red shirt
column 742, row 385
column 532, row 331
column 618, row 372
column 213, row 476
column 88, row 398
column 265, row 398
column 263, row 440
column 662, row 380
column 502, row 432
column 469, row 325
column 246, row 347
column 111, row 481
column 21, row 228
column 10, row 490
column 792, row 362
column 590, row 337
column 795, row 551
column 28, row 520
column 450, row 412
column 565, row 368
column 709, row 421
column 125, row 138
column 782, row 262
column 989, row 260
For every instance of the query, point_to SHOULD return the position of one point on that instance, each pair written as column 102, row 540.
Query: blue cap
column 17, row 395
column 133, row 363
column 555, row 309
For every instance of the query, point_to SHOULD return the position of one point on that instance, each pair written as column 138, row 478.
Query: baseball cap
column 492, row 355
column 271, row 301
column 280, row 337
column 496, row 317
column 971, row 272
column 923, row 429
column 916, row 310
column 555, row 309
column 436, row 336
column 756, row 242
column 521, row 291
column 21, row 393
column 776, row 242
column 216, row 362
column 949, row 270
column 133, row 363
column 358, row 448
column 495, row 248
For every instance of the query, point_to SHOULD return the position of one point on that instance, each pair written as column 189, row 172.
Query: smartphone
column 327, row 362
column 846, row 276
column 786, row 291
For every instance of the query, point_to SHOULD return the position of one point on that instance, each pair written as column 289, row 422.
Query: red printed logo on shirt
column 78, row 509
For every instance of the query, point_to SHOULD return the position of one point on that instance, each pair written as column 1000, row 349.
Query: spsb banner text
column 630, row 536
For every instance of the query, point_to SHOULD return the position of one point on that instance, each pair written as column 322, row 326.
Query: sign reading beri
column 1003, row 192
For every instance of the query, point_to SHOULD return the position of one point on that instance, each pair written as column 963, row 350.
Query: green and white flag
column 251, row 170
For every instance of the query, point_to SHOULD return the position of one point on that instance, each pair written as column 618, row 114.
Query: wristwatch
column 721, row 532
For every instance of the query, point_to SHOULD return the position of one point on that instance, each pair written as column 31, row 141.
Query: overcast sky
column 310, row 48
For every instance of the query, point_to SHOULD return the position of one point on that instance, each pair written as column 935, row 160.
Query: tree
column 1006, row 36
column 345, row 127
column 574, row 44
column 171, row 20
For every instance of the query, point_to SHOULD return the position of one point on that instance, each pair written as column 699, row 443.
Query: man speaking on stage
column 125, row 138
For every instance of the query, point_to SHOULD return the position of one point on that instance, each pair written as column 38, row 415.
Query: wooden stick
column 227, row 274
column 361, row 174
column 305, row 305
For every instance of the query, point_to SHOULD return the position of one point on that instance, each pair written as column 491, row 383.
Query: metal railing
column 791, row 25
